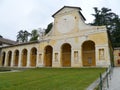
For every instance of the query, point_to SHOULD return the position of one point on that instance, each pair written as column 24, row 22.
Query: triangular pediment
column 67, row 9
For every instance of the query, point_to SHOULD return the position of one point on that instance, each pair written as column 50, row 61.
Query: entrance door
column 3, row 58
column 16, row 57
column 9, row 58
column 33, row 57
column 24, row 57
column 88, row 53
column 48, row 56
column 66, row 55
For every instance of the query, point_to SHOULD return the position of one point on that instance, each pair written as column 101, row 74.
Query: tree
column 34, row 35
column 116, row 32
column 97, row 17
column 1, row 36
column 49, row 27
column 23, row 36
column 112, row 22
column 103, row 16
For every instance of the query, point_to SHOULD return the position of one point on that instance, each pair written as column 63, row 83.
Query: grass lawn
column 49, row 79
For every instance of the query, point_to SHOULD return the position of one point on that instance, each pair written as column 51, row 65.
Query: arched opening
column 66, row 55
column 48, row 56
column 88, row 53
column 33, row 56
column 3, row 58
column 16, row 57
column 24, row 57
column 9, row 58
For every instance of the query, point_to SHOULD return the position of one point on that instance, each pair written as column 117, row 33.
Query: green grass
column 50, row 79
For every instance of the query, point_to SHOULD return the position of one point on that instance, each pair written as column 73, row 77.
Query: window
column 40, row 58
column 76, row 56
column 101, row 54
column 56, row 57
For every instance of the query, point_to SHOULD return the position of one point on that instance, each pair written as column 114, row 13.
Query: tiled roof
column 7, row 41
column 20, row 44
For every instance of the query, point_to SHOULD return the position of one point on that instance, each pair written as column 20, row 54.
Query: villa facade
column 70, row 43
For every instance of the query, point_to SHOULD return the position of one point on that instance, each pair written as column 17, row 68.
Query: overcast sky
column 16, row 15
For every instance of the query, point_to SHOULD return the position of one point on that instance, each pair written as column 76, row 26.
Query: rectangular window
column 56, row 57
column 40, row 58
column 101, row 54
column 76, row 56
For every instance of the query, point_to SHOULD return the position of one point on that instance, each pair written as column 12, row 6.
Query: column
column 6, row 60
column 59, row 58
column 37, row 59
column 12, row 59
column 72, row 58
column 80, row 57
column 97, row 55
column 20, row 60
column 0, row 59
column 28, row 58
column 107, row 51
column 42, row 60
column 107, row 55
column 53, row 58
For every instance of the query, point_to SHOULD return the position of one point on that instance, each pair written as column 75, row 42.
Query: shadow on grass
column 3, row 69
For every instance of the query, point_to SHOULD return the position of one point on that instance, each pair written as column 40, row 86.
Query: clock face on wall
column 66, row 24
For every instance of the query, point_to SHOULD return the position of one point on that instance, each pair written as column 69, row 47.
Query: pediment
column 67, row 21
column 66, row 10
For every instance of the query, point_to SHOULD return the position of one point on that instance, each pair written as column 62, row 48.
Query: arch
column 24, row 57
column 33, row 56
column 66, row 55
column 48, row 56
column 3, row 58
column 16, row 58
column 9, row 58
column 88, row 53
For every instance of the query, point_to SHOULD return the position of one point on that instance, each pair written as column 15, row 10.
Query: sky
column 16, row 15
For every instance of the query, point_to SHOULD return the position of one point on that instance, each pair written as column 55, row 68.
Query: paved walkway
column 114, row 83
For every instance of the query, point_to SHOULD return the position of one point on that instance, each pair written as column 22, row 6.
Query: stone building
column 70, row 43
column 5, row 42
